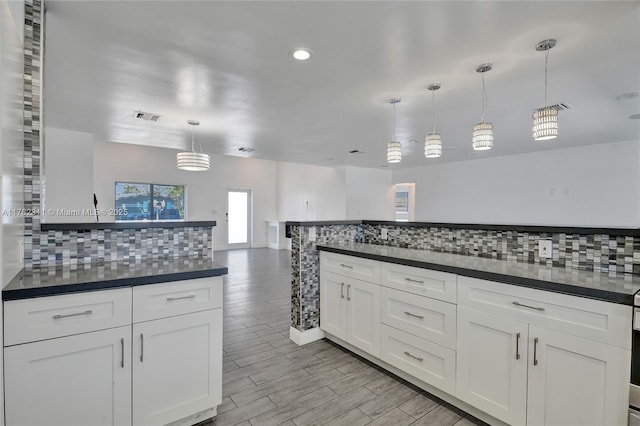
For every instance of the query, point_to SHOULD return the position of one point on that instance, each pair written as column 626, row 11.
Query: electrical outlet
column 545, row 249
column 312, row 233
column 383, row 233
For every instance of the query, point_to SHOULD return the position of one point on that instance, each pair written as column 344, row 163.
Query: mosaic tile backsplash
column 83, row 247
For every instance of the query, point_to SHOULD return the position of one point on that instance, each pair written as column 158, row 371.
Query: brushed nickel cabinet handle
column 348, row 295
column 517, row 345
column 342, row 290
column 77, row 314
column 122, row 352
column 413, row 315
column 537, row 308
column 171, row 299
column 413, row 356
column 141, row 347
column 411, row 280
column 535, row 351
column 346, row 266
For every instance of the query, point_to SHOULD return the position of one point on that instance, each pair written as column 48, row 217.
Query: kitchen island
column 114, row 343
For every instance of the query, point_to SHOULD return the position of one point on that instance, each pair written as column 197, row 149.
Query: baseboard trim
column 301, row 338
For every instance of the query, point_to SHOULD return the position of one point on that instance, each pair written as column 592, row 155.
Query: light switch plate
column 312, row 233
column 383, row 233
column 545, row 249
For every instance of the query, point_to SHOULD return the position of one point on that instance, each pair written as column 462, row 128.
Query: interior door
column 239, row 218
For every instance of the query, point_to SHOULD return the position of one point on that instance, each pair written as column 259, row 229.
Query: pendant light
column 394, row 148
column 191, row 160
column 433, row 141
column 482, row 139
column 545, row 120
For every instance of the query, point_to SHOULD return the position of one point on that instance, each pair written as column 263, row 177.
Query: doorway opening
column 239, row 218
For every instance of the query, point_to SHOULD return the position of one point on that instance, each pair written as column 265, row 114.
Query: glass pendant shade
column 482, row 138
column 433, row 145
column 545, row 124
column 394, row 152
column 193, row 161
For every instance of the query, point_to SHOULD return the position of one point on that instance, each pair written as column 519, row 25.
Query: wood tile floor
column 269, row 380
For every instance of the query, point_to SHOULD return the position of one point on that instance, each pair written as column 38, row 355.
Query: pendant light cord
column 433, row 104
column 193, row 135
column 484, row 97
column 546, row 62
column 393, row 138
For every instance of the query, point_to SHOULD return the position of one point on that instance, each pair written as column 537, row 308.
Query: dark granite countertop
column 610, row 287
column 53, row 280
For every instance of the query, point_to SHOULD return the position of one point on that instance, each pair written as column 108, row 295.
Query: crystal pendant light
column 394, row 148
column 545, row 120
column 433, row 142
column 191, row 160
column 482, row 139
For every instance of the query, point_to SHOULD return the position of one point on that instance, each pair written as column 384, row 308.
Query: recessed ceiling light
column 301, row 54
column 635, row 117
column 627, row 96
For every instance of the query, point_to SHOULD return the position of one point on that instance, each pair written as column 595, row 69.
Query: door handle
column 77, row 314
column 346, row 266
column 171, row 299
column 122, row 352
column 348, row 295
column 413, row 315
column 537, row 308
column 517, row 345
column 141, row 347
column 535, row 351
column 342, row 290
column 413, row 356
column 411, row 280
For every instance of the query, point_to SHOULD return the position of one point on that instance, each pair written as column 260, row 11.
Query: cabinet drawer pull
column 537, row 308
column 413, row 356
column 517, row 345
column 141, row 347
column 535, row 351
column 411, row 280
column 346, row 266
column 348, row 295
column 77, row 314
column 122, row 352
column 413, row 315
column 342, row 290
column 171, row 299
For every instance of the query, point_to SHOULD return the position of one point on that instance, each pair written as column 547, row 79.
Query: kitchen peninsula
column 137, row 340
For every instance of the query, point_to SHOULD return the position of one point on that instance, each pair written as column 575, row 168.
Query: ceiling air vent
column 244, row 149
column 356, row 151
column 146, row 116
column 561, row 106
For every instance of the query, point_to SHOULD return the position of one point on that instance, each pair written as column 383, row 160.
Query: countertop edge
column 590, row 293
column 30, row 293
column 124, row 225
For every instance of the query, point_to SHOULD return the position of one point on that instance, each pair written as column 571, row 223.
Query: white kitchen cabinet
column 575, row 381
column 70, row 381
column 177, row 367
column 350, row 310
column 492, row 364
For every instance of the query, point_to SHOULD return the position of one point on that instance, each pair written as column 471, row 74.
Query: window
column 148, row 201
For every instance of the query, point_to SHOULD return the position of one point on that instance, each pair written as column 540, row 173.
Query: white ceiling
column 228, row 65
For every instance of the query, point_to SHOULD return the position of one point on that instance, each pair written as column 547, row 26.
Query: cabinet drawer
column 427, row 361
column 423, row 317
column 592, row 319
column 350, row 266
column 425, row 282
column 29, row 320
column 176, row 298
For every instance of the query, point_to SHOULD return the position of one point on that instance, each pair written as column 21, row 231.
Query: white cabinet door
column 576, row 381
column 77, row 380
column 492, row 364
column 333, row 304
column 177, row 367
column 363, row 307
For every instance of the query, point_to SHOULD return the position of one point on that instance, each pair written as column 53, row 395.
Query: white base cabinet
column 71, row 381
column 163, row 367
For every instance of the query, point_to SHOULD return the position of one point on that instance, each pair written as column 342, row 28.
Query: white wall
column 68, row 171
column 206, row 192
column 11, row 139
column 306, row 192
column 369, row 194
column 596, row 185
